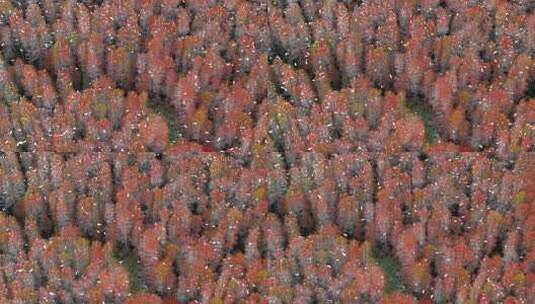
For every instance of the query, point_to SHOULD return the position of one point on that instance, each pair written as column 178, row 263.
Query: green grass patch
column 421, row 108
column 169, row 113
column 391, row 269
column 132, row 265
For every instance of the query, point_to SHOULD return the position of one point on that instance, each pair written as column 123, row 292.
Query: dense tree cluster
column 297, row 76
column 286, row 151
column 202, row 227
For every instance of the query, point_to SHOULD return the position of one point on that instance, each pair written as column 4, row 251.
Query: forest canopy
column 267, row 151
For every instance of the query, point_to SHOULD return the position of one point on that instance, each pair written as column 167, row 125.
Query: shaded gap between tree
column 418, row 106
